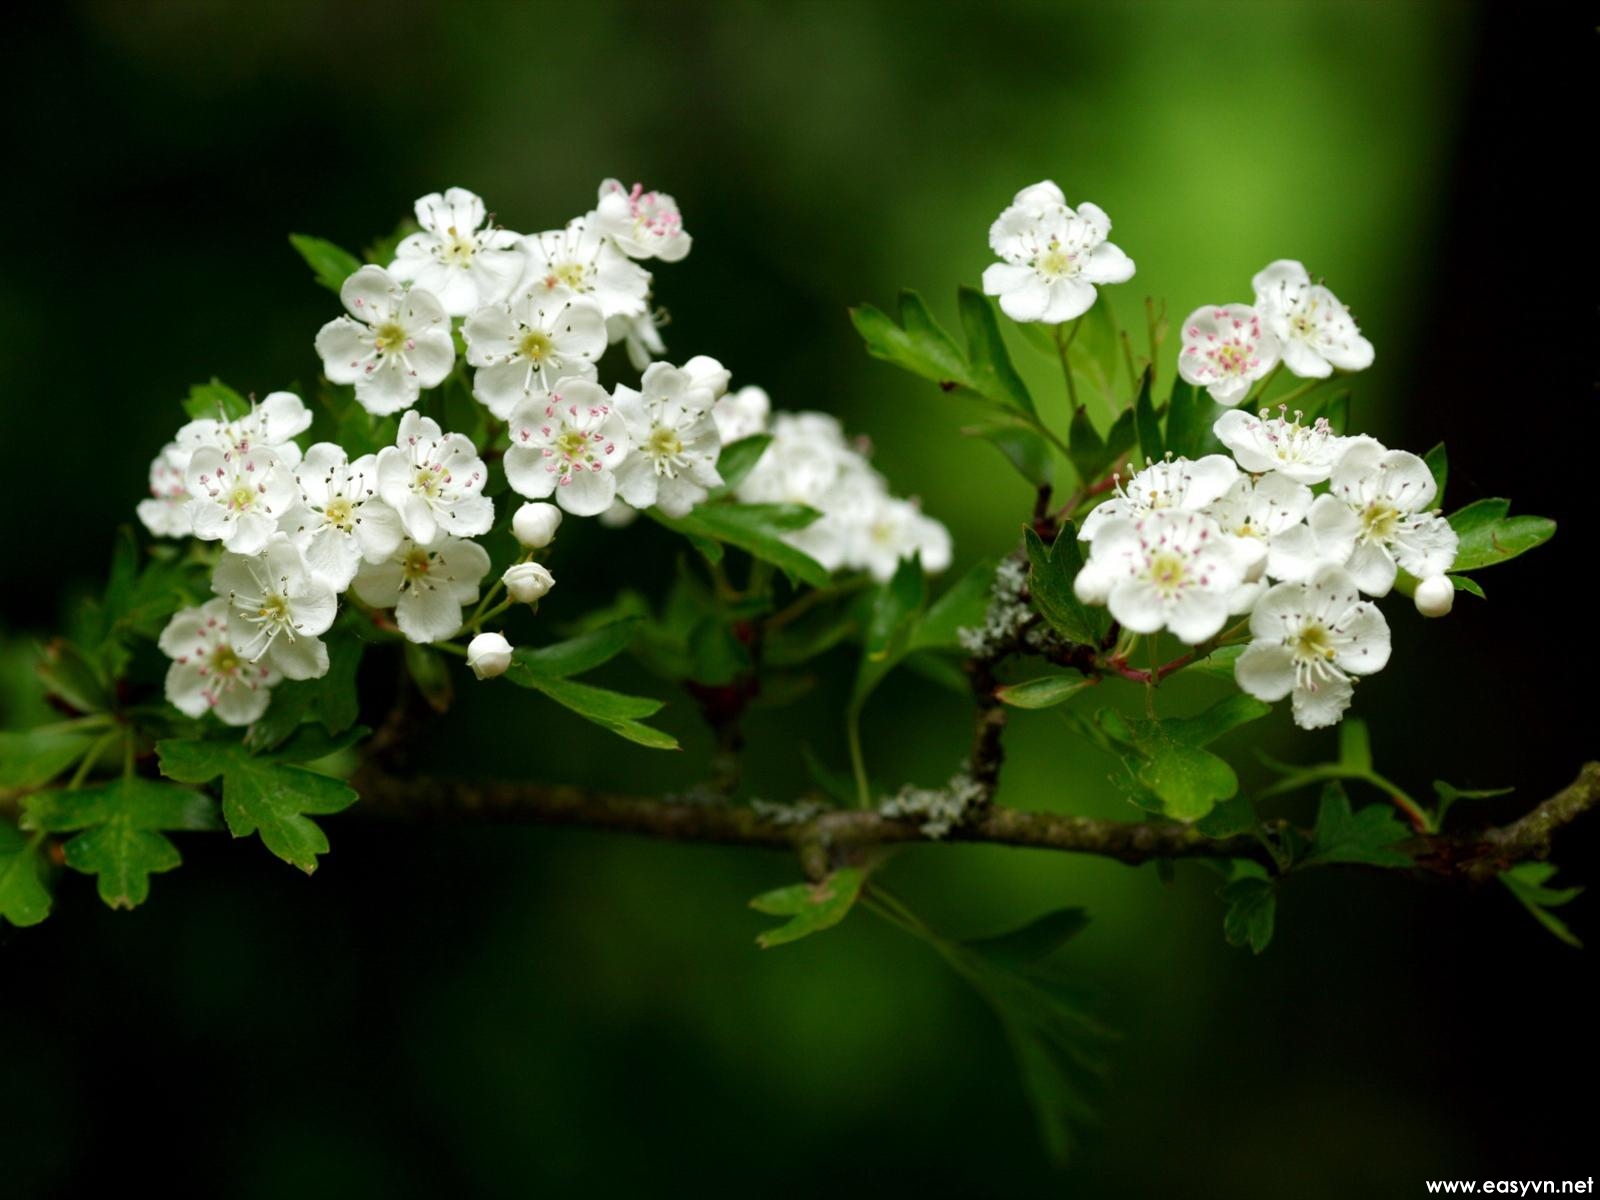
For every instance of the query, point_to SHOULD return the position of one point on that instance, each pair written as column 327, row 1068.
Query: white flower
column 1309, row 639
column 897, row 529
column 1326, row 538
column 1052, row 257
column 528, row 583
column 674, row 442
column 394, row 343
column 434, row 480
column 272, row 424
column 742, row 414
column 639, row 335
column 1179, row 483
column 207, row 674
column 1435, row 596
column 340, row 520
column 523, row 346
column 535, row 524
column 1256, row 512
column 570, row 445
column 238, row 496
column 582, row 260
column 425, row 585
column 166, row 513
column 643, row 224
column 462, row 263
column 1168, row 570
column 276, row 608
column 707, row 373
column 1385, row 495
column 1225, row 350
column 488, row 655
column 1304, row 453
column 1316, row 333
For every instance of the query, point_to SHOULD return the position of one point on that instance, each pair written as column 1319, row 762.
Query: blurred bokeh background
column 504, row 1012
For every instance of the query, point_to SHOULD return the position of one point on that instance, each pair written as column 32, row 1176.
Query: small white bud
column 1093, row 584
column 535, row 525
column 704, row 371
column 488, row 655
column 527, row 583
column 1435, row 596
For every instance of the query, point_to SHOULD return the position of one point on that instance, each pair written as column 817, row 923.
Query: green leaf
column 1147, row 421
column 24, row 900
column 1252, row 908
column 31, row 759
column 1448, row 794
column 1371, row 836
column 1355, row 746
column 329, row 264
column 261, row 795
column 1526, row 881
column 1050, row 576
column 757, row 529
column 215, row 401
column 1465, row 584
column 1024, row 447
column 1038, row 939
column 962, row 605
column 1093, row 456
column 896, row 609
column 1168, row 772
column 1488, row 536
column 1218, row 664
column 122, row 841
column 613, row 711
column 1191, row 413
column 71, row 675
column 431, row 673
column 810, row 907
column 1044, row 692
column 577, row 655
column 990, row 367
column 739, row 458
column 1438, row 462
column 331, row 700
column 381, row 252
column 1233, row 816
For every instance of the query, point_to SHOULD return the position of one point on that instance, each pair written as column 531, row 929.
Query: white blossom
column 1225, row 350
column 166, row 512
column 455, row 256
column 425, row 585
column 488, row 655
column 642, row 224
column 1309, row 639
column 340, row 520
column 395, row 342
column 1435, row 596
column 1256, row 512
column 1315, row 332
column 639, row 334
column 707, row 373
column 238, row 496
column 272, row 424
column 1188, row 485
column 1261, row 442
column 568, row 444
column 894, row 530
column 582, row 260
column 276, row 608
column 1167, row 570
column 207, row 674
column 1052, row 257
column 535, row 524
column 528, row 583
column 1385, row 496
column 742, row 414
column 521, row 348
column 435, row 481
column 674, row 443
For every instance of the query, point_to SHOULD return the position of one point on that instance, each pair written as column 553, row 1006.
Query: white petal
column 1265, row 670
column 1324, row 705
column 1373, row 569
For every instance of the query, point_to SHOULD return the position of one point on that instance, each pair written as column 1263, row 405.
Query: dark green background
column 508, row 1012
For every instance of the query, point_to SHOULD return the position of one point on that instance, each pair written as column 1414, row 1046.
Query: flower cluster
column 300, row 527
column 1293, row 530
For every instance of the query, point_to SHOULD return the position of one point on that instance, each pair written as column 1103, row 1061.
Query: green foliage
column 329, row 264
column 1050, row 576
column 1526, row 881
column 215, row 401
column 32, row 758
column 1092, row 455
column 739, row 458
column 1371, row 836
column 1030, row 944
column 548, row 669
column 1489, row 536
column 1252, row 901
column 1438, row 462
column 1147, row 420
column 810, row 907
column 1354, row 764
column 331, row 701
column 73, row 677
column 1168, row 772
column 757, row 529
column 1448, row 794
column 1191, row 412
column 24, row 899
column 121, row 831
column 1045, row 692
column 260, row 794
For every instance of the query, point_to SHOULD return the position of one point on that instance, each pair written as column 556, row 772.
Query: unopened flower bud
column 488, row 655
column 535, row 525
column 1435, row 596
column 527, row 583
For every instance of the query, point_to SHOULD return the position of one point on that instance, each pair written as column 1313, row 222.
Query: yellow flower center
column 274, row 608
column 428, row 481
column 1312, row 642
column 243, row 497
column 535, row 345
column 1380, row 521
column 389, row 338
column 340, row 513
column 571, row 274
column 459, row 250
column 416, row 564
column 571, row 443
column 665, row 443
column 1056, row 262
column 1168, row 572
column 224, row 661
